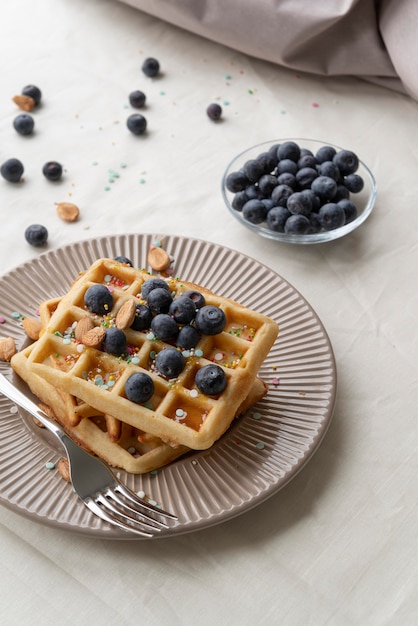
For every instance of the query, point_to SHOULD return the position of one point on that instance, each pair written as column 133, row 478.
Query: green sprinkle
column 256, row 416
column 142, row 181
column 50, row 465
column 199, row 352
column 16, row 315
column 260, row 445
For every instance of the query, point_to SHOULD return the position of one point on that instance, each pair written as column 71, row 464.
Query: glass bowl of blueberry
column 300, row 191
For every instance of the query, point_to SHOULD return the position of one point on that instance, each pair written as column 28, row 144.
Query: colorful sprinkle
column 2, row 319
column 198, row 352
column 257, row 416
column 194, row 393
column 260, row 445
column 275, row 381
column 315, row 105
column 16, row 315
column 179, row 413
column 50, row 465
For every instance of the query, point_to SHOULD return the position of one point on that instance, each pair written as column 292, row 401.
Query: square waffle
column 178, row 413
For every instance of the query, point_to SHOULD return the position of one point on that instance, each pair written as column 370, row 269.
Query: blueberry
column 276, row 218
column 114, row 341
column 253, row 192
column 188, row 337
column 153, row 283
column 143, row 317
column 342, row 193
column 164, row 327
column 52, row 170
column 307, row 160
column 124, row 260
column 239, row 199
column 170, row 362
column 280, row 194
column 289, row 150
column 324, row 187
column 314, row 224
column 267, row 183
column 325, row 153
column 137, row 124
column 159, row 300
column 329, row 168
column 214, row 111
column 12, row 170
column 286, row 166
column 297, row 225
column 137, row 99
column 33, row 92
column 196, row 297
column 24, row 124
column 254, row 211
column 139, row 387
column 346, row 161
column 36, row 235
column 313, row 198
column 299, row 203
column 287, row 179
column 306, row 152
column 354, row 183
column 268, row 203
column 267, row 161
column 331, row 216
column 350, row 210
column 182, row 310
column 253, row 170
column 151, row 67
column 274, row 152
column 305, row 177
column 236, row 181
column 98, row 299
column 210, row 320
column 211, row 380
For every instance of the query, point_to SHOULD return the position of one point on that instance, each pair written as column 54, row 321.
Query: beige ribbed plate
column 262, row 451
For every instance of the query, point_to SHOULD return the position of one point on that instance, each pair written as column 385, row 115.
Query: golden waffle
column 178, row 412
column 118, row 443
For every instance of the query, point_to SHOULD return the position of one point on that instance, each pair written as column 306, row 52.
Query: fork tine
column 134, row 499
column 109, row 498
column 105, row 515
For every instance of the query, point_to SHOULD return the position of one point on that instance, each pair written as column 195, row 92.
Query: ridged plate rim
column 262, row 451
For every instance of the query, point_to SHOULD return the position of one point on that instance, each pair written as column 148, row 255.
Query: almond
column 64, row 469
column 26, row 103
column 83, row 326
column 158, row 259
column 126, row 314
column 67, row 211
column 7, row 348
column 94, row 337
column 32, row 327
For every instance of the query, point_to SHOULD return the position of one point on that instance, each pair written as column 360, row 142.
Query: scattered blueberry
column 197, row 298
column 137, row 99
column 214, row 111
column 164, row 327
column 151, row 67
column 159, row 300
column 170, row 362
column 12, row 170
column 137, row 124
column 114, row 341
column 24, row 124
column 211, row 380
column 182, row 310
column 210, row 320
column 52, row 170
column 124, row 260
column 139, row 387
column 33, row 92
column 98, row 299
column 36, row 235
column 143, row 317
column 153, row 283
column 188, row 337
column 331, row 216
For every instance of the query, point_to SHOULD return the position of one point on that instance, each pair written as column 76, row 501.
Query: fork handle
column 19, row 398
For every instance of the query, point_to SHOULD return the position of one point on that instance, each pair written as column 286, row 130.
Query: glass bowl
column 364, row 200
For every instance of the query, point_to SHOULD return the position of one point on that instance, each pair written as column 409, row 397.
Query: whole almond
column 67, row 211
column 26, row 103
column 126, row 314
column 158, row 259
column 83, row 326
column 32, row 327
column 7, row 348
column 94, row 337
column 64, row 469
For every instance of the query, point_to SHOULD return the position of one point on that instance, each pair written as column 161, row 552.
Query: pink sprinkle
column 2, row 319
column 315, row 105
column 275, row 381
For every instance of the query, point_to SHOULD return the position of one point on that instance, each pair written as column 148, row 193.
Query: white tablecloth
column 338, row 545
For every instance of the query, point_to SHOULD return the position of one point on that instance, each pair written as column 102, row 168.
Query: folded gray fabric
column 372, row 39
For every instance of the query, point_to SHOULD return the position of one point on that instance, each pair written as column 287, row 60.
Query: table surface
column 338, row 544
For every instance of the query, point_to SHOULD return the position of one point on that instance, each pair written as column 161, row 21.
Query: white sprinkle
column 194, row 393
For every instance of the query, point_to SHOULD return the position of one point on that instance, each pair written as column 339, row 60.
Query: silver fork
column 94, row 482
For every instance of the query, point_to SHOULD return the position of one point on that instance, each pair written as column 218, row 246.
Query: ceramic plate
column 263, row 450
